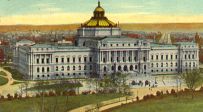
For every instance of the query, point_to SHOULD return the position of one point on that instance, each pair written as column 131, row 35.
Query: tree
column 192, row 79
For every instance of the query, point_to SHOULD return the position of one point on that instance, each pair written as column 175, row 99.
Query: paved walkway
column 8, row 88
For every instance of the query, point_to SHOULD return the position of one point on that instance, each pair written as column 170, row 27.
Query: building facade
column 100, row 50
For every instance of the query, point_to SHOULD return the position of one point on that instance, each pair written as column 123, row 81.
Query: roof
column 118, row 38
column 41, row 46
column 25, row 41
column 163, row 45
column 99, row 19
column 186, row 43
column 60, row 47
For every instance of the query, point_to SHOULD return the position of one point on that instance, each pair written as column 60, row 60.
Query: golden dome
column 99, row 20
column 99, row 9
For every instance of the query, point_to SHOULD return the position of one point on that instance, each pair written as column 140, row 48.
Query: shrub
column 9, row 97
column 146, row 97
column 51, row 93
column 86, row 92
column 93, row 92
column 71, row 93
column 2, row 97
column 173, row 92
column 186, row 90
column 37, row 95
column 201, row 89
column 112, row 90
column 20, row 97
column 15, row 96
column 137, row 98
column 158, row 93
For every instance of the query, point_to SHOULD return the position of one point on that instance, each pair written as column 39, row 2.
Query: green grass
column 2, row 73
column 33, row 104
column 16, row 82
column 15, row 73
column 55, row 86
column 183, row 103
column 3, row 81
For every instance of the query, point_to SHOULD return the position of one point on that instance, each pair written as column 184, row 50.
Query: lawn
column 55, row 86
column 3, row 81
column 33, row 104
column 2, row 73
column 15, row 73
column 183, row 103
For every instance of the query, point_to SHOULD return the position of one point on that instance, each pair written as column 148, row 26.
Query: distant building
column 101, row 50
column 1, row 55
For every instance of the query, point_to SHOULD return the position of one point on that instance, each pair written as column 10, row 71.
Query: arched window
column 119, row 68
column 47, row 69
column 125, row 68
column 112, row 68
column 131, row 68
column 135, row 66
column 38, row 69
column 42, row 69
column 105, row 69
column 68, row 67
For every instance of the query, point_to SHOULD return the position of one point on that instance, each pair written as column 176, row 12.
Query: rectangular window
column 171, row 57
column 62, row 60
column 85, row 59
column 90, row 59
column 176, row 56
column 162, row 57
column 56, row 60
column 73, row 59
column 37, row 61
column 47, row 60
column 152, row 57
column 68, row 60
column 43, row 61
column 166, row 57
column 79, row 59
column 104, row 60
column 157, row 57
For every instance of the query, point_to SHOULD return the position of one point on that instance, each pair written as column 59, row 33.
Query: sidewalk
column 141, row 92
